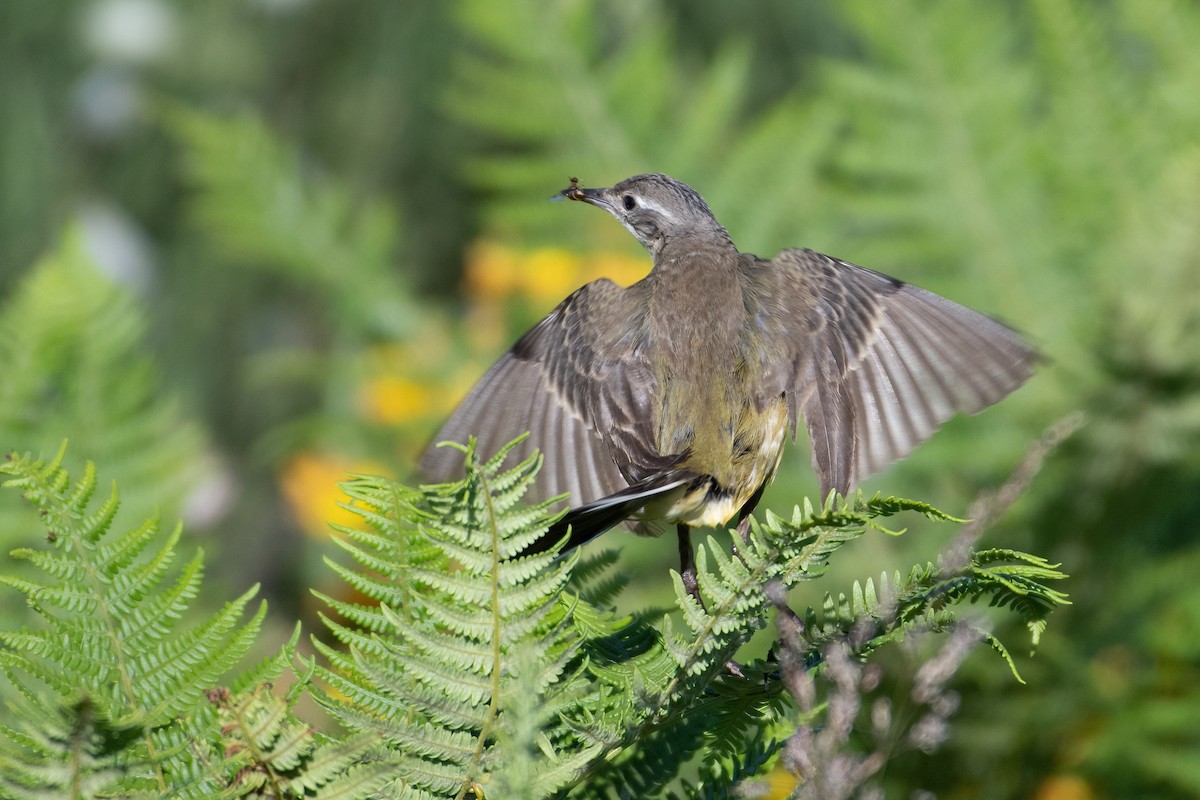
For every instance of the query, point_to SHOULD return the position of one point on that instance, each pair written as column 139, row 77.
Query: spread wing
column 579, row 383
column 876, row 365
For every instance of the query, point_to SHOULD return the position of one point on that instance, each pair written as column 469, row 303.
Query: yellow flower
column 549, row 274
column 393, row 399
column 492, row 271
column 405, row 383
column 777, row 784
column 1064, row 787
column 546, row 275
column 623, row 269
column 309, row 482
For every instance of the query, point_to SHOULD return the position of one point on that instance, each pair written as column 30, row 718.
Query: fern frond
column 594, row 581
column 781, row 550
column 430, row 676
column 735, row 605
column 648, row 769
column 267, row 752
column 111, row 629
column 878, row 612
column 656, row 684
column 461, row 627
column 742, row 711
column 729, row 773
column 255, row 200
column 75, row 366
column 69, row 750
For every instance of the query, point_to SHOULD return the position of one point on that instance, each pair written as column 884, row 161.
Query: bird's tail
column 588, row 521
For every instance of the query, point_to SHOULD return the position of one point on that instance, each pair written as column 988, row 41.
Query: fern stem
column 469, row 779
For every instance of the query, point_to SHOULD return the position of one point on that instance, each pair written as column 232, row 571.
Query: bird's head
column 655, row 208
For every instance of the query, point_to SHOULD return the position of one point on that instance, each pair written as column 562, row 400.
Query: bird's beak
column 576, row 192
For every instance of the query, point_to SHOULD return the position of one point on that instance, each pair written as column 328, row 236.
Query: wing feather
column 879, row 364
column 577, row 383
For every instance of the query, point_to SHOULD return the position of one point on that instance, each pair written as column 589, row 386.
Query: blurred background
column 248, row 247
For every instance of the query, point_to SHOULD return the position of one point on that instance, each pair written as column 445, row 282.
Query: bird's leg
column 743, row 524
column 743, row 531
column 743, row 528
column 687, row 563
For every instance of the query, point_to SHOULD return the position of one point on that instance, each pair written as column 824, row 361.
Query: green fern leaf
column 430, row 676
column 69, row 750
column 606, row 702
column 254, row 199
column 924, row 599
column 110, row 628
column 267, row 752
column 75, row 366
column 658, row 691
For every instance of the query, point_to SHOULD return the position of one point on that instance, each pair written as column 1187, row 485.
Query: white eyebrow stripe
column 655, row 207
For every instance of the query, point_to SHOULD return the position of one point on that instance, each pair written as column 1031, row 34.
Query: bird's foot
column 691, row 584
column 743, row 528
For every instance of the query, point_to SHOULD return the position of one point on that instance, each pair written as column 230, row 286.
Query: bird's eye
column 629, row 202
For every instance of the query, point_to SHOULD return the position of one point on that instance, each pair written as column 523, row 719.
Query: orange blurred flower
column 1064, row 787
column 622, row 268
column 545, row 276
column 395, row 399
column 548, row 275
column 491, row 270
column 309, row 482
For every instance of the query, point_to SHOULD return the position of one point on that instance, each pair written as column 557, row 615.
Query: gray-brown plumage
column 670, row 400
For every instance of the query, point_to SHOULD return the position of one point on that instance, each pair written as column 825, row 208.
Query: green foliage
column 700, row 709
column 68, row 751
column 259, row 205
column 458, row 621
column 112, row 695
column 74, row 365
column 465, row 651
column 1150, row 727
column 466, row 666
column 326, row 258
column 110, row 646
column 1005, row 578
column 1034, row 159
column 601, row 96
column 267, row 752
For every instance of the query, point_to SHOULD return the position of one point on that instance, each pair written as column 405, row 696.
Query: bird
column 669, row 401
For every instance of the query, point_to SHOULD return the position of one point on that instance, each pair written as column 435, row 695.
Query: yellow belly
column 702, row 507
